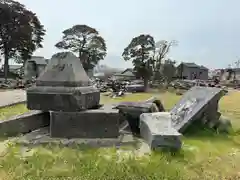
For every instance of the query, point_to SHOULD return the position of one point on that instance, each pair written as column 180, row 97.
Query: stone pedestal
column 68, row 99
column 98, row 123
column 66, row 91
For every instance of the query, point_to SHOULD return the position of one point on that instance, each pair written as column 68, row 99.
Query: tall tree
column 168, row 70
column 162, row 49
column 140, row 51
column 21, row 32
column 86, row 42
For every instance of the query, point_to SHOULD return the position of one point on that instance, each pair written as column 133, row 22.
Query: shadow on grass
column 199, row 133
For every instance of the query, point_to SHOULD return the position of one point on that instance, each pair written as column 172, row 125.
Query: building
column 16, row 68
column 192, row 71
column 127, row 74
column 229, row 74
column 35, row 66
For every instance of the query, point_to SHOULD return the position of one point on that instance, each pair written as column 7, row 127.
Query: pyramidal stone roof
column 64, row 69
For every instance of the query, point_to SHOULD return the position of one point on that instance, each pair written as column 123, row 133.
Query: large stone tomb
column 199, row 103
column 156, row 129
column 95, row 123
column 63, row 86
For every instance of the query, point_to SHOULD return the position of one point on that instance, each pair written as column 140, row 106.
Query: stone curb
column 24, row 123
column 12, row 104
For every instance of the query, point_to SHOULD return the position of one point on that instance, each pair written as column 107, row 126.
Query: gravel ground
column 12, row 97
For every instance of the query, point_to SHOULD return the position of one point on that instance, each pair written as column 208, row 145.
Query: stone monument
column 65, row 90
column 63, row 86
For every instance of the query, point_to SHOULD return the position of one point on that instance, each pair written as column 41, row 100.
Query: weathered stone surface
column 63, row 86
column 24, row 123
column 68, row 99
column 64, row 69
column 197, row 103
column 97, row 123
column 157, row 131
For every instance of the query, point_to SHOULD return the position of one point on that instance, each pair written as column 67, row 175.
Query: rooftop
column 193, row 65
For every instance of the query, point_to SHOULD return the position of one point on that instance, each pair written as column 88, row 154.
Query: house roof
column 38, row 60
column 126, row 72
column 193, row 65
column 190, row 65
column 236, row 69
column 13, row 67
column 203, row 67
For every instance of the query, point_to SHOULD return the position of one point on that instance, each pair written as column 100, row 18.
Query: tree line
column 21, row 33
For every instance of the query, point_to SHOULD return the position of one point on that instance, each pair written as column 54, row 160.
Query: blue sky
column 208, row 31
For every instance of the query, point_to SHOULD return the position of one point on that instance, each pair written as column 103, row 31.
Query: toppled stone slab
column 157, row 131
column 142, row 106
column 196, row 104
column 135, row 88
column 24, row 123
column 157, row 102
column 63, row 86
column 95, row 123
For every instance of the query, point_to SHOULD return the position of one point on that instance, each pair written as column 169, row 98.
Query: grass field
column 204, row 155
column 9, row 111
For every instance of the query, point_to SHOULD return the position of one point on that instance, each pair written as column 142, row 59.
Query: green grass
column 205, row 155
column 9, row 111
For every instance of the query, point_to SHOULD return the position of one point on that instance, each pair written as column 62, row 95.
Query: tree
column 140, row 51
column 162, row 49
column 168, row 70
column 21, row 32
column 86, row 42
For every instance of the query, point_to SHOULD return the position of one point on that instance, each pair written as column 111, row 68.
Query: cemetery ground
column 205, row 155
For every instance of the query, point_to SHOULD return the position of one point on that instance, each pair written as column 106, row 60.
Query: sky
column 207, row 31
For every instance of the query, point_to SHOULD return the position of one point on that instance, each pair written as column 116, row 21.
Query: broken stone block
column 157, row 102
column 95, row 123
column 63, row 86
column 131, row 111
column 157, row 131
column 194, row 105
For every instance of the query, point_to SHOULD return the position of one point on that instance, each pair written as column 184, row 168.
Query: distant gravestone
column 63, row 86
column 196, row 103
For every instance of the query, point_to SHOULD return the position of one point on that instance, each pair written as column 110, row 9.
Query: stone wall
column 24, row 123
